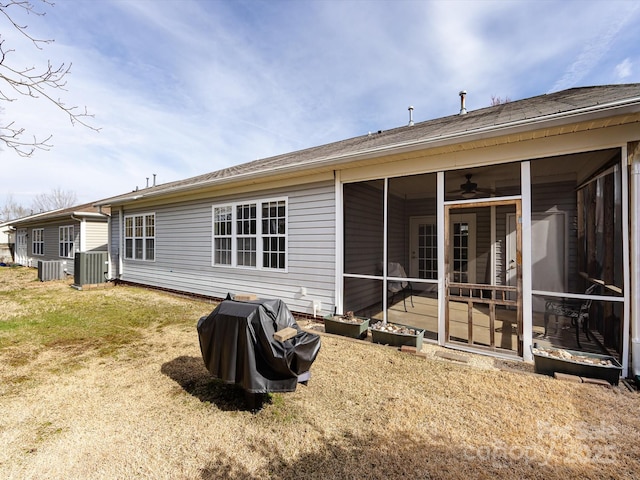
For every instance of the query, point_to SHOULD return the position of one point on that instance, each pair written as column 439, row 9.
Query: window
column 38, row 241
column 251, row 235
column 246, row 234
column 140, row 236
column 66, row 241
column 427, row 251
column 273, row 234
column 222, row 235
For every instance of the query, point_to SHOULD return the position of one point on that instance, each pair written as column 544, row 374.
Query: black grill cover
column 237, row 345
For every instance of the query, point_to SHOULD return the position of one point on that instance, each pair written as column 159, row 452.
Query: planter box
column 548, row 365
column 398, row 339
column 333, row 324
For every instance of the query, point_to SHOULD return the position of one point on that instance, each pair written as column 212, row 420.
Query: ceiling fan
column 470, row 189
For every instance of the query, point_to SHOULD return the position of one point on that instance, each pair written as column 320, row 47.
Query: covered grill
column 238, row 346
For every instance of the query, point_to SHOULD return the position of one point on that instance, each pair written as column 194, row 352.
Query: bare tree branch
column 57, row 198
column 27, row 6
column 32, row 82
column 12, row 137
column 495, row 100
column 12, row 210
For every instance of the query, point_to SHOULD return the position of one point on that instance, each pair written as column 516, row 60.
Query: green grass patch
column 103, row 319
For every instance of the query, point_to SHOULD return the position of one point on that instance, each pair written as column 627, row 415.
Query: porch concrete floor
column 424, row 314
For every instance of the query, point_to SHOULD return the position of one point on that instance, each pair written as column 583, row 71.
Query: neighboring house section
column 6, row 243
column 485, row 218
column 59, row 234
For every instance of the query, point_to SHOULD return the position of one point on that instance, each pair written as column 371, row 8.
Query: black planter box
column 398, row 339
column 346, row 329
column 548, row 365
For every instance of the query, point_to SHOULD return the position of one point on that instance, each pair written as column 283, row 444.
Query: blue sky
column 180, row 87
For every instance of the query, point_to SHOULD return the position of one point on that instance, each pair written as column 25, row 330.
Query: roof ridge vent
column 463, row 96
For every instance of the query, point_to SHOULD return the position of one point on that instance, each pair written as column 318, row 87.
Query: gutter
column 74, row 215
column 551, row 120
column 89, row 214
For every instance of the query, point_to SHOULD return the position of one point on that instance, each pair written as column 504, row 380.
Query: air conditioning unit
column 50, row 270
column 90, row 268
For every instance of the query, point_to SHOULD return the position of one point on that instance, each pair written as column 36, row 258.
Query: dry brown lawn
column 147, row 408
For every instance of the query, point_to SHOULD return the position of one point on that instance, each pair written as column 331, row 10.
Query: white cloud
column 181, row 88
column 624, row 69
column 598, row 37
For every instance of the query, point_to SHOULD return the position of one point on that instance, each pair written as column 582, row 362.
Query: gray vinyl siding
column 52, row 243
column 183, row 250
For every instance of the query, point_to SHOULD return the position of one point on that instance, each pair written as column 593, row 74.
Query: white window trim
column 71, row 242
column 39, row 242
column 144, row 237
column 259, row 235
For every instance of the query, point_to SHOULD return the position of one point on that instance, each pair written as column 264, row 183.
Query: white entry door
column 21, row 247
column 462, row 249
column 423, row 245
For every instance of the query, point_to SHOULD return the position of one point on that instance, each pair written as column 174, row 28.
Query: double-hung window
column 246, row 230
column 222, row 236
column 140, row 236
column 38, row 241
column 66, row 241
column 274, row 221
column 251, row 234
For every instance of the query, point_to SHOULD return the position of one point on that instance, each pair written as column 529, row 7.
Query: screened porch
column 465, row 227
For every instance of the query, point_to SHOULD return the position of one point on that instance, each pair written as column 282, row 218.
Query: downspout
column 109, row 269
column 634, row 184
column 120, row 241
column 83, row 232
column 12, row 235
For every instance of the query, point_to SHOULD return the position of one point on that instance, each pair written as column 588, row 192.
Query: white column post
column 441, row 268
column 527, row 304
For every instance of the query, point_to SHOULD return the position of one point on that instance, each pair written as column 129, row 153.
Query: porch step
column 576, row 379
column 452, row 356
column 566, row 377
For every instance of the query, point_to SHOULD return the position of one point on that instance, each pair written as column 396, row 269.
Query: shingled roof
column 85, row 210
column 451, row 129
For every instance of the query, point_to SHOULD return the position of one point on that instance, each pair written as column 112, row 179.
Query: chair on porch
column 396, row 270
column 575, row 309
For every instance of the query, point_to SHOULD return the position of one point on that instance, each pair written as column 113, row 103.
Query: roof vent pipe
column 147, row 182
column 154, row 179
column 411, row 116
column 463, row 108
